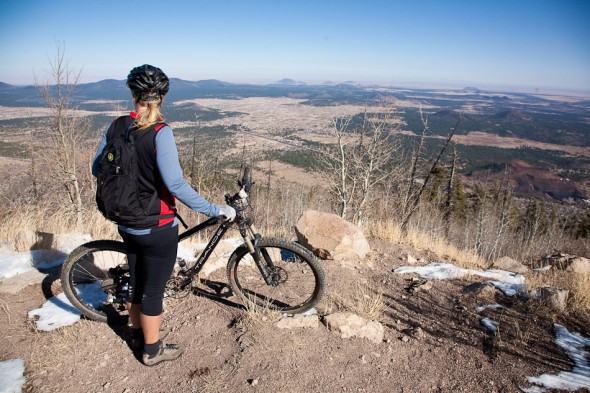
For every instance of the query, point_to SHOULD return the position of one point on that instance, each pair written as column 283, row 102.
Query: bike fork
column 253, row 249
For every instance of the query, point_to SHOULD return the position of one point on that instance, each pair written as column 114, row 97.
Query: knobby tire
column 88, row 281
column 301, row 277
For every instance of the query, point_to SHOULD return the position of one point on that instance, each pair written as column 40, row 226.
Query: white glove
column 228, row 212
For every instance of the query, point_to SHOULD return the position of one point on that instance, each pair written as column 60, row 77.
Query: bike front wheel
column 297, row 280
column 95, row 277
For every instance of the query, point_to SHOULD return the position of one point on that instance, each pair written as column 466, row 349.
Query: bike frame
column 216, row 238
column 213, row 242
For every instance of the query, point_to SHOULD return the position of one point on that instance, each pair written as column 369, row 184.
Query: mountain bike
column 263, row 272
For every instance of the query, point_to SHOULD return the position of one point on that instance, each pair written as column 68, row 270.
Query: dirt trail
column 230, row 350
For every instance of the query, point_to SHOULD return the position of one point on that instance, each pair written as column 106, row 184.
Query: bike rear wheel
column 95, row 277
column 298, row 278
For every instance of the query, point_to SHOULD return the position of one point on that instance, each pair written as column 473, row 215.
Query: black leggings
column 151, row 260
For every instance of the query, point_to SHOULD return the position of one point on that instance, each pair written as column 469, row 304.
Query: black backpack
column 117, row 192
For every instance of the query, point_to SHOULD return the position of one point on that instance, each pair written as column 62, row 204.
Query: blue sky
column 539, row 44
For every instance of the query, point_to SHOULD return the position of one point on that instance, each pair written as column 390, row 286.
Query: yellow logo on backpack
column 110, row 157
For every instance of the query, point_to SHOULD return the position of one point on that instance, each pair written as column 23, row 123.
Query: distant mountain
column 212, row 83
column 499, row 100
column 511, row 115
column 6, row 86
column 105, row 89
column 473, row 90
column 289, row 82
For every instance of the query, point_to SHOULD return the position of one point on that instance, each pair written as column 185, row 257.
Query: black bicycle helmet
column 148, row 83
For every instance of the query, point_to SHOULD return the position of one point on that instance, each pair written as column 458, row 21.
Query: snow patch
column 12, row 375
column 58, row 311
column 186, row 252
column 68, row 242
column 55, row 313
column 489, row 324
column 488, row 306
column 12, row 264
column 447, row 271
column 574, row 344
column 510, row 289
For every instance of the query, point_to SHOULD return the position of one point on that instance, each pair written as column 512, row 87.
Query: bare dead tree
column 66, row 130
column 336, row 166
column 33, row 172
column 416, row 156
column 413, row 204
column 503, row 203
column 359, row 159
column 449, row 199
column 372, row 157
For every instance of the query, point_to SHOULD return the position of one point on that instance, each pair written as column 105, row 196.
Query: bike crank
column 178, row 287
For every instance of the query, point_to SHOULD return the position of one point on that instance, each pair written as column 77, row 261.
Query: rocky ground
column 433, row 341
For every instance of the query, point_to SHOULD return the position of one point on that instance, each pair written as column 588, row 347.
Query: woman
column 151, row 248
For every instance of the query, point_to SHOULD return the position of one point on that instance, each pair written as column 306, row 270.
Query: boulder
column 555, row 298
column 509, row 264
column 557, row 260
column 330, row 237
column 348, row 325
column 567, row 262
column 578, row 265
column 481, row 289
column 17, row 283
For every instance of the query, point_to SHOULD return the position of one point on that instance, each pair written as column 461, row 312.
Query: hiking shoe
column 165, row 352
column 136, row 343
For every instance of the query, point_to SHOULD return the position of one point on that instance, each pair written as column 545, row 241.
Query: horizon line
column 428, row 84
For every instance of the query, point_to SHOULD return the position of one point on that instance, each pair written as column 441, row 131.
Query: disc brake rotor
column 278, row 275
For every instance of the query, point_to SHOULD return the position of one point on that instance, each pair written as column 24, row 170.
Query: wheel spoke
column 94, row 278
column 297, row 279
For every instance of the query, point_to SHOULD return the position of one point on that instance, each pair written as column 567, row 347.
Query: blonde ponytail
column 151, row 115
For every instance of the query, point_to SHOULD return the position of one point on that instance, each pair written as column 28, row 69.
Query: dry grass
column 550, row 278
column 577, row 283
column 19, row 227
column 361, row 300
column 259, row 314
column 391, row 231
column 580, row 292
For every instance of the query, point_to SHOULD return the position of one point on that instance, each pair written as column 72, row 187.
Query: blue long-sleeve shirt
column 169, row 167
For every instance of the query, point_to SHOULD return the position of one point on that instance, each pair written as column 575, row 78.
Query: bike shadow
column 218, row 291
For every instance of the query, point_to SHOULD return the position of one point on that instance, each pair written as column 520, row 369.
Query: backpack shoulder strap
column 119, row 126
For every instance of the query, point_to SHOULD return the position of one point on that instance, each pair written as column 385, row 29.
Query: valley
column 287, row 122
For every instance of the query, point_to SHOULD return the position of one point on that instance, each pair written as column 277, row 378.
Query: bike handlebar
column 246, row 181
column 245, row 184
